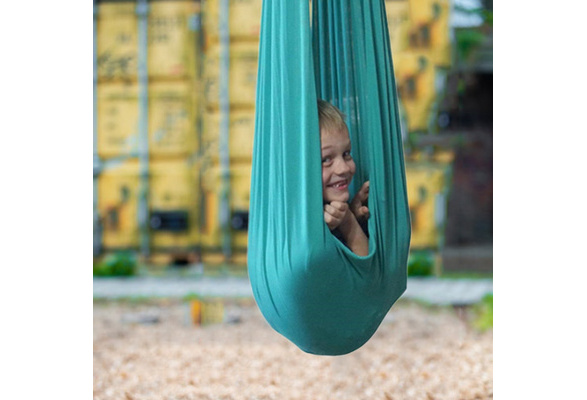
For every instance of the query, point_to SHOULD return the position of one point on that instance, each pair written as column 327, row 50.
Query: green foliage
column 484, row 313
column 487, row 17
column 420, row 264
column 117, row 264
column 468, row 40
column 191, row 296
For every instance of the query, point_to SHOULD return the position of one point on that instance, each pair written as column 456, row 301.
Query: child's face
column 338, row 166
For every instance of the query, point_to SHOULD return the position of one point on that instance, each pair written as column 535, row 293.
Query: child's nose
column 342, row 167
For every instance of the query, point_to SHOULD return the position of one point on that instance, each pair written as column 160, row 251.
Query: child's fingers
column 364, row 192
column 328, row 218
column 339, row 205
column 332, row 221
column 337, row 213
column 330, row 209
column 364, row 212
column 329, row 221
column 338, row 209
column 361, row 196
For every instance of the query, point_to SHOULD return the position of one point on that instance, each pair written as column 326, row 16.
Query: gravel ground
column 150, row 351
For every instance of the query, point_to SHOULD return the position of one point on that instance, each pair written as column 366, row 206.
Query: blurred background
column 174, row 106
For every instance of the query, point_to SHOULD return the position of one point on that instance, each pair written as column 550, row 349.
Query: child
column 338, row 169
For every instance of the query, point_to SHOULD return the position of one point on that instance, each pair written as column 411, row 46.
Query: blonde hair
column 330, row 117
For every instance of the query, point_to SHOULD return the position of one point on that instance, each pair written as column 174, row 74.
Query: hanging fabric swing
column 309, row 286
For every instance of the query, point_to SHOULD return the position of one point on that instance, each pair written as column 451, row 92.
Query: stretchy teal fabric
column 309, row 286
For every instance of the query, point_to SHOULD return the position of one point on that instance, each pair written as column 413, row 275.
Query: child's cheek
column 353, row 168
column 324, row 180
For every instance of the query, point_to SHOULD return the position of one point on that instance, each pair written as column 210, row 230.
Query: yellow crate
column 173, row 39
column 398, row 21
column 415, row 77
column 244, row 19
column 243, row 59
column 173, row 186
column 429, row 30
column 440, row 42
column 427, row 188
column 172, row 50
column 118, row 187
column 172, row 119
column 439, row 156
column 212, row 185
column 117, row 41
column 118, row 116
column 241, row 133
column 422, row 11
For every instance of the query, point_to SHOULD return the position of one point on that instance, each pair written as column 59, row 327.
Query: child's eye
column 326, row 160
column 347, row 155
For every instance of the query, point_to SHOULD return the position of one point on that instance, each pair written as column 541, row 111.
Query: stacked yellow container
column 428, row 179
column 188, row 181
column 421, row 49
column 244, row 21
column 420, row 41
column 173, row 95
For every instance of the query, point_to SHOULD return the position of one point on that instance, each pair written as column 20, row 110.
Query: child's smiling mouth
column 340, row 185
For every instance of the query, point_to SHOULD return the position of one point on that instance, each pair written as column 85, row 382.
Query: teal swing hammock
column 309, row 286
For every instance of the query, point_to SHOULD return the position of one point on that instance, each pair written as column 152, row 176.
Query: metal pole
column 224, row 103
column 143, row 80
column 97, row 165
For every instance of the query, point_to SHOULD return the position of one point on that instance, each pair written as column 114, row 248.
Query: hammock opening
column 346, row 213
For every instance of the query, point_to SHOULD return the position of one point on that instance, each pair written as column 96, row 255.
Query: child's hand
column 335, row 213
column 358, row 204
